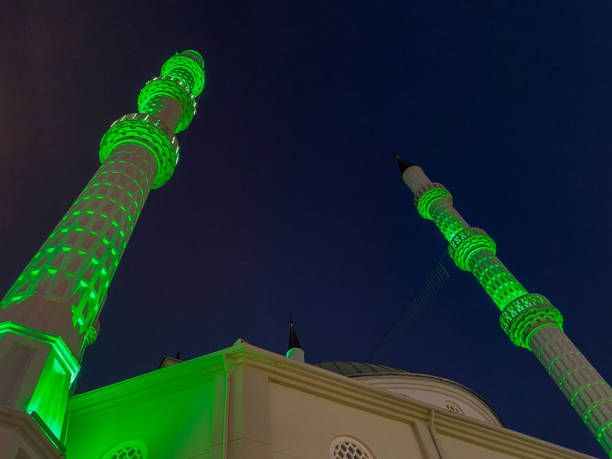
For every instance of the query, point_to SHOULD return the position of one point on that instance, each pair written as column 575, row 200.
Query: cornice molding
column 320, row 383
column 416, row 382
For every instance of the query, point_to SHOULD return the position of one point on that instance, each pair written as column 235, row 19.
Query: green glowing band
column 467, row 243
column 425, row 197
column 56, row 342
column 148, row 99
column 196, row 56
column 91, row 336
column 149, row 132
column 524, row 315
column 47, row 432
column 446, row 218
column 184, row 67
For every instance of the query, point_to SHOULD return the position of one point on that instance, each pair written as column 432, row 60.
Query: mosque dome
column 434, row 390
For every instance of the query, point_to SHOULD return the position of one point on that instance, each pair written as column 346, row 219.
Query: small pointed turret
column 402, row 163
column 413, row 176
column 295, row 351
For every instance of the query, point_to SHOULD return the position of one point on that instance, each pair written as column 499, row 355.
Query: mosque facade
column 247, row 402
column 242, row 401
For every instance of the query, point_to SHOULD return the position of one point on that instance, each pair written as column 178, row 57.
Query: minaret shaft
column 499, row 283
column 49, row 315
column 76, row 263
column 530, row 320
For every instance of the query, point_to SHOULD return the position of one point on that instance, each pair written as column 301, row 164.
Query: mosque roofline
column 313, row 380
column 368, row 369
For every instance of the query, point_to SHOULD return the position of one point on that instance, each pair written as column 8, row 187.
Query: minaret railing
column 50, row 314
column 529, row 319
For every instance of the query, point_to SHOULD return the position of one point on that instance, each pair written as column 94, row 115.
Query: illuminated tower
column 49, row 315
column 529, row 319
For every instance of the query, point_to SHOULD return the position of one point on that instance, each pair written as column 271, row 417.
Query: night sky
column 287, row 198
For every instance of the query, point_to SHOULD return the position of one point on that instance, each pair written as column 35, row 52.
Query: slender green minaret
column 49, row 315
column 529, row 319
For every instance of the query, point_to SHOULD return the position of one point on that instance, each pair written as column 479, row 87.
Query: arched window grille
column 349, row 448
column 127, row 450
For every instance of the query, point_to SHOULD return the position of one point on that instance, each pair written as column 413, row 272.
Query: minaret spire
column 295, row 351
column 402, row 163
column 529, row 319
column 49, row 315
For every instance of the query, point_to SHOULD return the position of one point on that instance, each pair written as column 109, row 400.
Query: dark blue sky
column 287, row 198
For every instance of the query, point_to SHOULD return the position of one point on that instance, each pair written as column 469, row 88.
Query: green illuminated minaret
column 49, row 315
column 529, row 319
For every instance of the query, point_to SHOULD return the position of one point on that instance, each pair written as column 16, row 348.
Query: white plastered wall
column 304, row 425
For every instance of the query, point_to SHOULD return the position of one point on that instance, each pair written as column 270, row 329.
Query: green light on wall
column 468, row 243
column 522, row 317
column 69, row 277
column 188, row 67
column 140, row 129
column 428, row 197
column 61, row 368
column 149, row 99
column 57, row 344
column 446, row 218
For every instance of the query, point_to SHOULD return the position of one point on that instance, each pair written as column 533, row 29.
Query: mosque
column 244, row 401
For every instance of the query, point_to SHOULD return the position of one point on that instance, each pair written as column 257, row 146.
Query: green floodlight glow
column 467, row 243
column 446, row 218
column 75, row 265
column 472, row 249
column 56, row 342
column 149, row 132
column 188, row 67
column 47, row 432
column 529, row 319
column 149, row 98
column 68, row 278
column 196, row 56
column 499, row 283
column 426, row 197
column 91, row 336
column 520, row 315
column 59, row 372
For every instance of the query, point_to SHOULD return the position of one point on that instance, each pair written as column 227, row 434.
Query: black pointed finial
column 402, row 163
column 293, row 339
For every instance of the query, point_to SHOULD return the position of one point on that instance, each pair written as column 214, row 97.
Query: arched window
column 127, row 450
column 348, row 448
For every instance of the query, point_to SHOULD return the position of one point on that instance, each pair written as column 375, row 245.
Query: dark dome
column 359, row 368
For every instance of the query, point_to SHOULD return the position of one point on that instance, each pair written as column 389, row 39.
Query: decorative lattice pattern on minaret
column 76, row 264
column 49, row 314
column 587, row 391
column 529, row 319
